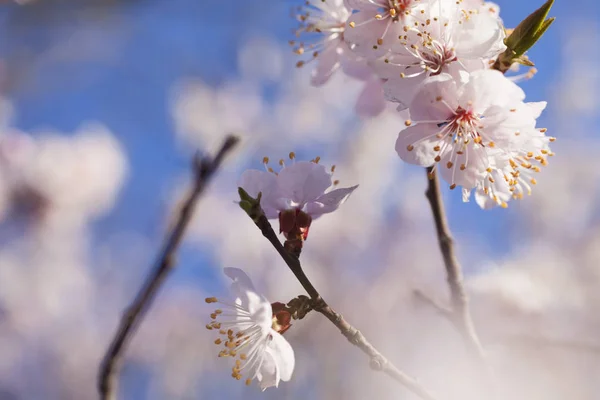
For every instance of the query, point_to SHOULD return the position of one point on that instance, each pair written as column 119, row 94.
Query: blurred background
column 104, row 102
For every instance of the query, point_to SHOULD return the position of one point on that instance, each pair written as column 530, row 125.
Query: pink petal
column 435, row 100
column 327, row 63
column 421, row 140
column 371, row 101
column 329, row 202
column 303, row 182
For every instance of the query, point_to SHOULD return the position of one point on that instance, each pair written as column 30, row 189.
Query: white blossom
column 326, row 19
column 477, row 134
column 246, row 326
column 302, row 185
column 443, row 37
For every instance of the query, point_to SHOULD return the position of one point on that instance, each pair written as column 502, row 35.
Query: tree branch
column 461, row 315
column 204, row 170
column 377, row 361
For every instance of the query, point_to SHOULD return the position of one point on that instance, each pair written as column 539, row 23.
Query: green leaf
column 530, row 30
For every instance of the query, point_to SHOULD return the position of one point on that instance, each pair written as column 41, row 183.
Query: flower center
column 240, row 336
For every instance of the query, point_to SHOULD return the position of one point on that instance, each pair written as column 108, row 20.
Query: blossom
column 246, row 332
column 327, row 19
column 376, row 24
column 297, row 194
column 477, row 134
column 445, row 37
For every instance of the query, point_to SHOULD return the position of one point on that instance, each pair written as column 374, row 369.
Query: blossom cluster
column 433, row 59
column 436, row 61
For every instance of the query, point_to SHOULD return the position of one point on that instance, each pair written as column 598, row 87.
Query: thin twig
column 204, row 169
column 377, row 361
column 460, row 304
column 435, row 304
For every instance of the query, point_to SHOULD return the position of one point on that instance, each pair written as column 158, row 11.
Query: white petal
column 435, row 100
column 402, row 90
column 329, row 202
column 352, row 64
column 241, row 281
column 283, row 356
column 303, row 182
column 254, row 181
column 421, row 140
column 251, row 301
column 475, row 159
column 479, row 37
column 327, row 63
column 370, row 101
column 488, row 88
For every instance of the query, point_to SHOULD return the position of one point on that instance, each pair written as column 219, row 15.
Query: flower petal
column 246, row 296
column 329, row 202
column 283, row 356
column 303, row 182
column 370, row 101
column 435, row 100
column 328, row 61
column 487, row 88
column 421, row 140
column 254, row 181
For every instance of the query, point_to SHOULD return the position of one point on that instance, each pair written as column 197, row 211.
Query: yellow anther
column 408, row 122
column 218, row 311
column 437, row 148
column 209, row 327
column 352, row 24
column 281, row 162
column 243, row 356
column 213, row 316
column 265, row 160
column 248, row 381
column 218, row 341
column 491, row 144
column 504, row 204
column 380, row 41
column 292, row 155
column 210, row 300
column 533, row 181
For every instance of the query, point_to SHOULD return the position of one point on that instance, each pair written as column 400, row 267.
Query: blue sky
column 121, row 70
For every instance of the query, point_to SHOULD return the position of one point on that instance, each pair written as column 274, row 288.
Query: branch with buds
column 377, row 361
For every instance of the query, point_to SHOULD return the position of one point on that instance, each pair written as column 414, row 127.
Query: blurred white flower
column 261, row 352
column 331, row 52
column 63, row 179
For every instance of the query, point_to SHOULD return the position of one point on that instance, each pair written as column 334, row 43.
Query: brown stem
column 377, row 361
column 460, row 304
column 204, row 169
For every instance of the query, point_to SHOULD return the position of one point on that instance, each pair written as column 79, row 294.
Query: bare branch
column 460, row 304
column 435, row 304
column 204, row 169
column 377, row 361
